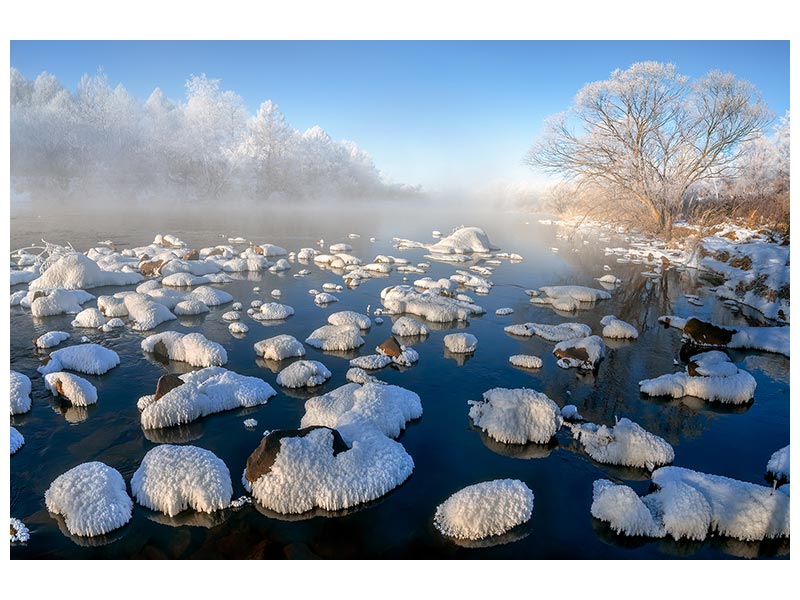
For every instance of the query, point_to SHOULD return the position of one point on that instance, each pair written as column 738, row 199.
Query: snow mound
column 551, row 333
column 273, row 311
column 76, row 271
column 279, row 347
column 89, row 317
column 526, row 361
column 463, row 241
column 778, row 465
column 303, row 373
column 569, row 297
column 429, row 305
column 460, row 343
column 192, row 348
column 516, row 416
column 335, row 338
column 626, row 444
column 371, row 361
column 19, row 532
column 112, row 306
column 619, row 506
column 618, row 329
column 324, row 298
column 211, row 296
column 91, row 497
column 58, row 302
column 172, row 479
column 75, row 389
column 357, row 375
column 145, row 313
column 91, row 359
column 704, row 333
column 238, row 328
column 386, row 408
column 17, row 441
column 502, row 312
column 584, row 353
column 191, row 306
column 406, row 326
column 203, row 392
column 709, row 376
column 309, row 472
column 350, row 317
column 485, row 509
column 20, row 393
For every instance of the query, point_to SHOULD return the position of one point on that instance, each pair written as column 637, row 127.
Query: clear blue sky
column 443, row 114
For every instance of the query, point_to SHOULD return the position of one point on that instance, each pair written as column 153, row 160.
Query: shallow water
column 448, row 452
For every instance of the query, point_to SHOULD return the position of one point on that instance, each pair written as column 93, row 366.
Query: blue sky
column 443, row 114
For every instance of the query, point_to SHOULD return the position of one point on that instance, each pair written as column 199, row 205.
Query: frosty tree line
column 100, row 139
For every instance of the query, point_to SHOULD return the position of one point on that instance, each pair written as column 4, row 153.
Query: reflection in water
column 189, row 518
column 178, row 434
column 90, row 541
column 460, row 358
column 520, row 532
column 523, row 451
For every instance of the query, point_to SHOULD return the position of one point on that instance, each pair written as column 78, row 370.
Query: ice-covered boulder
column 279, row 347
column 336, row 338
column 191, row 306
column 569, row 297
column 192, row 348
column 350, row 317
column 273, row 311
column 145, row 313
column 76, row 271
column 525, row 361
column 778, row 464
column 91, row 497
column 584, row 353
column 429, row 305
column 211, row 296
column 113, row 306
column 710, row 376
column 75, row 389
column 705, row 333
column 238, row 328
column 57, row 302
column 17, row 441
column 358, row 375
column 172, row 479
column 406, row 326
column 20, row 393
column 465, row 240
column 371, row 361
column 618, row 329
column 90, row 318
column 623, row 510
column 324, row 298
column 50, row 339
column 516, row 416
column 460, row 343
column 551, row 333
column 203, row 392
column 303, row 373
column 627, row 444
column 91, row 359
column 485, row 509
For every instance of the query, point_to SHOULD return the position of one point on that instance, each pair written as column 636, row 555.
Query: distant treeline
column 101, row 140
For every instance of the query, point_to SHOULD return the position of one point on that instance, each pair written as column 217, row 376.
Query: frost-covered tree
column 647, row 134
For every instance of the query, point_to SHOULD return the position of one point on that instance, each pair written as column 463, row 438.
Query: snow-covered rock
column 371, row 361
column 191, row 306
column 463, row 241
column 20, row 393
column 552, row 333
column 336, row 338
column 516, row 416
column 203, row 392
column 91, row 497
column 145, row 313
column 429, row 305
column 703, row 333
column 17, row 441
column 279, row 347
column 526, row 361
column 76, row 271
column 626, row 444
column 58, row 302
column 303, row 373
column 50, row 339
column 618, row 329
column 192, row 348
column 485, row 509
column 350, row 317
column 90, row 318
column 569, row 297
column 273, row 311
column 238, row 328
column 778, row 465
column 460, row 343
column 172, row 479
column 211, row 296
column 584, row 353
column 91, row 359
column 406, row 326
column 324, row 298
column 75, row 389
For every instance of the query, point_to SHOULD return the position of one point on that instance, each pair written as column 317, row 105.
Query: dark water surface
column 448, row 452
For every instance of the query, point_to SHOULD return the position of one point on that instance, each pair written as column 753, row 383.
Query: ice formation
column 335, row 338
column 90, row 318
column 19, row 532
column 778, row 465
column 703, row 333
column 463, row 241
column 710, row 376
column 569, row 297
column 358, row 375
column 20, row 393
column 303, row 373
column 203, row 392
column 626, row 444
column 191, row 306
column 17, row 441
column 584, row 353
column 192, row 348
column 76, row 271
column 349, row 317
column 616, row 328
column 75, row 389
column 279, row 347
column 429, row 305
column 91, row 497
column 460, row 343
column 371, row 361
column 238, row 328
column 58, row 302
column 551, row 333
column 526, row 361
column 516, row 416
column 145, row 313
column 172, row 479
column 211, row 296
column 91, row 359
column 485, row 509
column 406, row 326
column 324, row 298
column 502, row 312
column 273, row 311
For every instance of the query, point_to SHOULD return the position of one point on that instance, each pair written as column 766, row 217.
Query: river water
column 448, row 452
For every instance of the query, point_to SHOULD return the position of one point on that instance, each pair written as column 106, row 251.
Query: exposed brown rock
column 258, row 249
column 577, row 353
column 391, row 347
column 167, row 383
column 59, row 388
column 160, row 349
column 38, row 294
column 192, row 255
column 261, row 460
column 46, row 359
column 707, row 334
column 215, row 252
column 665, row 262
column 150, row 267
